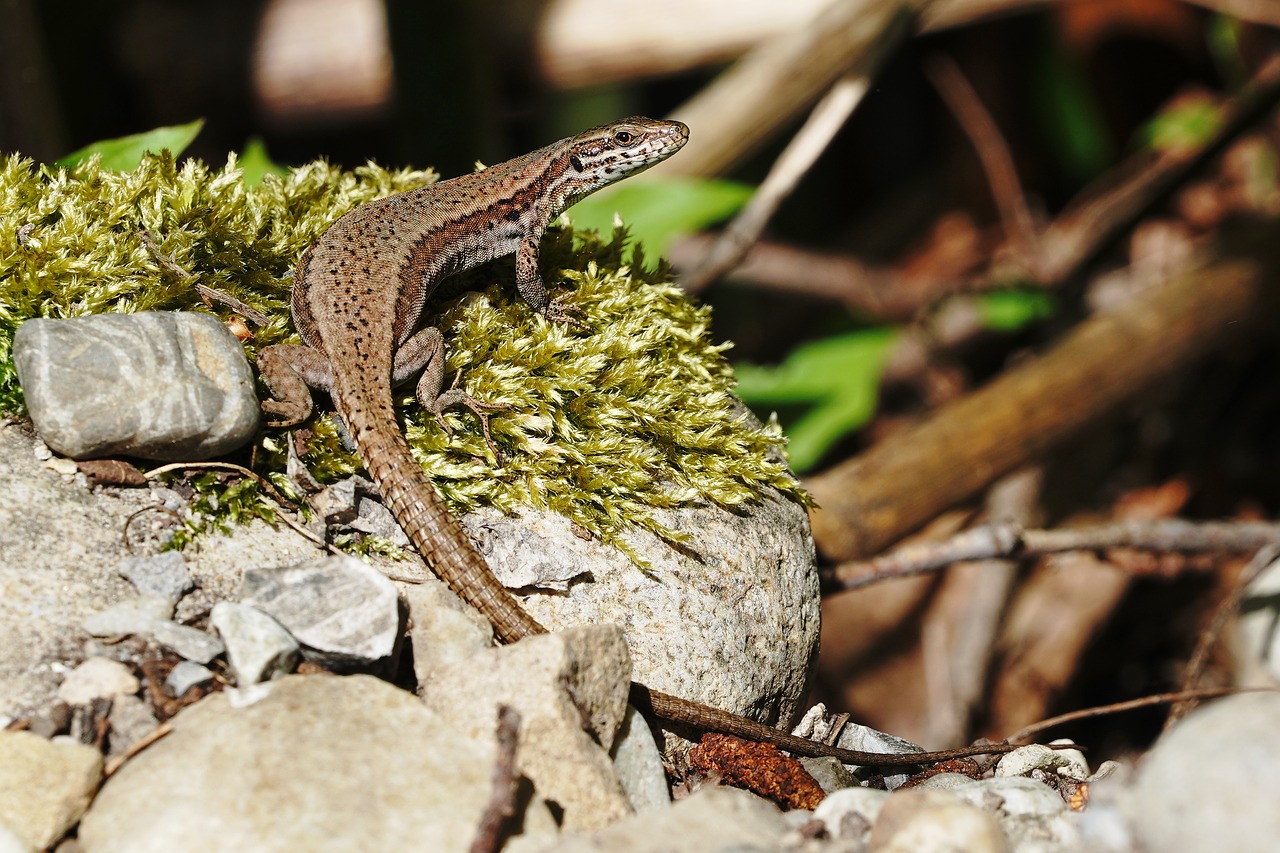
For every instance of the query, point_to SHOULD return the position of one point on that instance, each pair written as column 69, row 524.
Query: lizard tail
column 439, row 537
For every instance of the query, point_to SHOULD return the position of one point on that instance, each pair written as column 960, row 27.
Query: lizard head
column 597, row 157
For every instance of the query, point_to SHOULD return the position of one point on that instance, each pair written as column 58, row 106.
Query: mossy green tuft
column 603, row 424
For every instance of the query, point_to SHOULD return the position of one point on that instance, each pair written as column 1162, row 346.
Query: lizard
column 358, row 297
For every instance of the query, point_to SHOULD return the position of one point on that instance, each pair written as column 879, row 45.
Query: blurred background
column 924, row 250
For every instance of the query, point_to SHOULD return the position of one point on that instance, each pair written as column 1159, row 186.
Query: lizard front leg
column 532, row 289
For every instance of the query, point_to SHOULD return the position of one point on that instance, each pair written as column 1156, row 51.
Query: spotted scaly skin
column 358, row 299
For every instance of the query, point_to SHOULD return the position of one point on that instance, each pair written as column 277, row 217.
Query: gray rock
column 851, row 812
column 164, row 574
column 336, row 504
column 638, row 764
column 133, row 616
column 98, row 678
column 376, row 519
column 147, row 616
column 1014, row 796
column 443, row 630
column 934, row 822
column 344, row 611
column 131, row 720
column 258, row 647
column 828, row 772
column 867, row 739
column 190, row 643
column 712, row 819
column 729, row 618
column 58, row 554
column 320, row 763
column 158, row 385
column 186, row 675
column 1061, row 762
column 1211, row 781
column 570, row 689
column 45, row 786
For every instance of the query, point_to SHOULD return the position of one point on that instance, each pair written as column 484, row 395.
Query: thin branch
column 502, row 800
column 266, row 484
column 793, row 164
column 997, row 163
column 137, row 746
column 208, row 294
column 1003, row 541
column 1227, row 608
column 1035, row 729
column 269, row 492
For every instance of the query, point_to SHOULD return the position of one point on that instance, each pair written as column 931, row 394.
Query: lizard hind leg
column 425, row 351
column 290, row 371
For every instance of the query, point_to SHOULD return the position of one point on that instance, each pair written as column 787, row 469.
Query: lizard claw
column 455, row 396
column 559, row 312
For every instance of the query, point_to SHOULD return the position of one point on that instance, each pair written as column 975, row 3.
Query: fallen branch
column 916, row 473
column 1000, row 540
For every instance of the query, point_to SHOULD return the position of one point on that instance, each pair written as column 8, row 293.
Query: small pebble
column 97, row 678
column 185, row 675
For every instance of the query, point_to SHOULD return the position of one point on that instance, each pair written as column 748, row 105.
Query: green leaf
column 125, row 153
column 1010, row 310
column 659, row 209
column 1070, row 116
column 1184, row 126
column 838, row 379
column 256, row 163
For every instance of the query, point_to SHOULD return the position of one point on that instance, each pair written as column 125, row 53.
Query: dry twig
column 1028, row 732
column 490, row 834
column 1005, row 540
column 793, row 164
column 1227, row 608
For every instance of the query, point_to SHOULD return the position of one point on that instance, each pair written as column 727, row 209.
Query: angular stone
column 134, row 616
column 164, row 574
column 344, row 611
column 146, row 616
column 190, row 643
column 442, row 629
column 45, row 785
column 186, row 675
column 158, row 385
column 258, row 647
column 638, row 764
column 570, row 689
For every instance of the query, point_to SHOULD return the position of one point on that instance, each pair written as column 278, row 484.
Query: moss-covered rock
column 603, row 423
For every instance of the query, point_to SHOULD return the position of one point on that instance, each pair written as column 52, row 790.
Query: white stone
column 97, row 678
column 1212, row 782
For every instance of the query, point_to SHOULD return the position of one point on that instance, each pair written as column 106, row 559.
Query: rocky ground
column 254, row 693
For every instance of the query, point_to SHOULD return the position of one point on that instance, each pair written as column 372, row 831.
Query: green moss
column 604, row 424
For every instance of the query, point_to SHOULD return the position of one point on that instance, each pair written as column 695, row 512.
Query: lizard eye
column 624, row 137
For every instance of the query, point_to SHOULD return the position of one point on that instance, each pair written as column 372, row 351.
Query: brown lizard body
column 358, row 298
